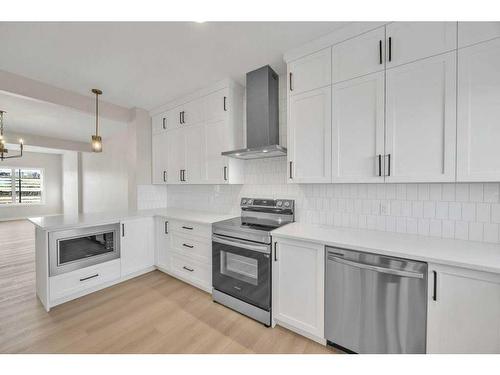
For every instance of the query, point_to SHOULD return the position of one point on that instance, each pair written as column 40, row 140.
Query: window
column 20, row 186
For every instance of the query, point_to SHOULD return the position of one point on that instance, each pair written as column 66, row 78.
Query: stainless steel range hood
column 262, row 117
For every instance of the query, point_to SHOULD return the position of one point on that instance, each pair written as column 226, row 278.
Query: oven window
column 239, row 267
column 74, row 249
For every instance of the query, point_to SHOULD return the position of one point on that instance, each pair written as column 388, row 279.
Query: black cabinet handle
column 123, row 230
column 225, row 108
column 380, row 165
column 90, row 277
column 225, row 173
column 183, row 118
column 180, row 117
column 290, row 77
column 291, row 162
column 380, row 51
column 188, row 228
column 188, row 269
column 180, row 174
column 166, row 227
column 390, row 48
column 184, row 175
column 188, row 246
column 164, row 176
column 434, row 292
column 275, row 255
column 389, row 166
column 164, row 123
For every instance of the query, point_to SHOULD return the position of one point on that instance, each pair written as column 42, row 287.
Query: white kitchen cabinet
column 463, row 311
column 194, row 154
column 476, row 32
column 136, row 245
column 358, row 129
column 158, row 123
column 298, row 287
column 216, row 106
column 310, row 136
column 162, row 243
column 421, row 120
column 478, row 127
column 410, row 41
column 359, row 56
column 193, row 112
column 310, row 72
column 160, row 170
column 176, row 150
column 166, row 121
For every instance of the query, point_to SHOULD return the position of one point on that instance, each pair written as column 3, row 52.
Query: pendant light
column 3, row 150
column 96, row 139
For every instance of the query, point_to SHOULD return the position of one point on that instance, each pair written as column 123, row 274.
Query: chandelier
column 96, row 139
column 3, row 150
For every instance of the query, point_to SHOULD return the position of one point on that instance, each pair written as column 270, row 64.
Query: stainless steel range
column 241, row 256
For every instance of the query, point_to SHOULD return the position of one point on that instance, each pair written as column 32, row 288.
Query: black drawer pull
column 189, row 228
column 225, row 108
column 380, row 165
column 188, row 269
column 90, row 277
column 390, row 48
column 434, row 292
column 166, row 227
column 188, row 246
column 380, row 51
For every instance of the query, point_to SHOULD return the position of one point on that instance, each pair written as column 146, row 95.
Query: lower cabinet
column 137, row 245
column 298, row 287
column 463, row 311
column 162, row 243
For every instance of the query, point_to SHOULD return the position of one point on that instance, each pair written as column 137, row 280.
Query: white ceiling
column 147, row 64
column 29, row 116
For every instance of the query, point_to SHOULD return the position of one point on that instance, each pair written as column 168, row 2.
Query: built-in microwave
column 78, row 248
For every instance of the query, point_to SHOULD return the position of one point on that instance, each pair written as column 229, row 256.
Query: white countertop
column 59, row 222
column 469, row 254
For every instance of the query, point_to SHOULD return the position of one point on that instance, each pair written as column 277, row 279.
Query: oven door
column 242, row 269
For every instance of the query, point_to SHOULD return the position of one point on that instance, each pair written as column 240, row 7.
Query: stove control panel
column 276, row 203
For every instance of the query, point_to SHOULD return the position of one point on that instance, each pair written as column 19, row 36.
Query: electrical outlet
column 384, row 207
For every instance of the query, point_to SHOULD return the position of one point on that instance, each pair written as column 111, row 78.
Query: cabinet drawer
column 189, row 246
column 73, row 282
column 194, row 229
column 191, row 270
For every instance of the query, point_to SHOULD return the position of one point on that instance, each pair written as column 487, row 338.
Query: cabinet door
column 160, row 158
column 176, row 155
column 159, row 123
column 359, row 56
column 162, row 237
column 420, row 120
column 137, row 246
column 310, row 136
column 298, row 287
column 478, row 126
column 463, row 311
column 216, row 106
column 194, row 137
column 410, row 41
column 193, row 112
column 358, row 129
column 310, row 72
column 215, row 142
column 476, row 32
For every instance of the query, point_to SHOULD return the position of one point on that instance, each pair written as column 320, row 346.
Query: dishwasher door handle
column 370, row 267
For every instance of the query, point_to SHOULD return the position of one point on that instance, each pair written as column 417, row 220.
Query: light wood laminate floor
column 153, row 313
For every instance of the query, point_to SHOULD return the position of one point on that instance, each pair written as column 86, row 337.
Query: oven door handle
column 243, row 244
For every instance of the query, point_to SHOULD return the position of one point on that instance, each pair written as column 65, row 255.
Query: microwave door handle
column 370, row 267
column 243, row 245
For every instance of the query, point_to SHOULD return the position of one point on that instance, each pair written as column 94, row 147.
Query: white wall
column 104, row 176
column 71, row 185
column 52, row 189
column 461, row 211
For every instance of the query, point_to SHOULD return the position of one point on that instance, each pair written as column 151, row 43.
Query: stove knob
column 244, row 201
column 287, row 204
column 279, row 204
column 250, row 201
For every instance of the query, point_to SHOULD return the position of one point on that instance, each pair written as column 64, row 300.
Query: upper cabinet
column 421, row 120
column 311, row 72
column 410, row 41
column 476, row 32
column 189, row 150
column 359, row 56
column 309, row 136
column 478, row 127
column 358, row 129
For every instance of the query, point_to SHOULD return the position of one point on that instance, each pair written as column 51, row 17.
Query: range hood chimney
column 262, row 117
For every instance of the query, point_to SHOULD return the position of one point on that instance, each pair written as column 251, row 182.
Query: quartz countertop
column 59, row 222
column 469, row 254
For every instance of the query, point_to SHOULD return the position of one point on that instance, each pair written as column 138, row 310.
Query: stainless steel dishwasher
column 375, row 303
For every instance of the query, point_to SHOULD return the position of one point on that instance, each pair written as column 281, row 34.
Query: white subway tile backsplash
column 455, row 211
column 491, row 191
column 476, row 192
column 461, row 230
column 475, row 231
column 468, row 211
column 490, row 232
column 462, row 192
column 483, row 212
